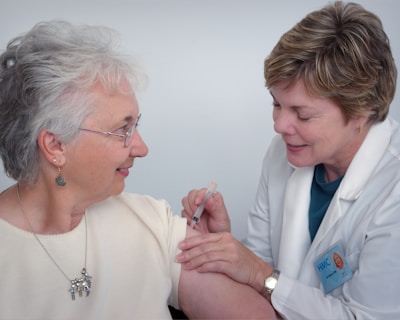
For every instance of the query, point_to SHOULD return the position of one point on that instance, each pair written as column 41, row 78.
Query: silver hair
column 45, row 81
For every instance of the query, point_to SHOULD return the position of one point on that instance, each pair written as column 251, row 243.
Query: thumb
column 218, row 214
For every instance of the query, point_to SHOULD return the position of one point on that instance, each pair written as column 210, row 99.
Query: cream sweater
column 132, row 242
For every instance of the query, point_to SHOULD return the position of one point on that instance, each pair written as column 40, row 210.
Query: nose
column 282, row 122
column 138, row 146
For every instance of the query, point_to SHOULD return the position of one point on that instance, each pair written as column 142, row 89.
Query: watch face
column 270, row 283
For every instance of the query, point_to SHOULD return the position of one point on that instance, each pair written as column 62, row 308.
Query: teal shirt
column 321, row 195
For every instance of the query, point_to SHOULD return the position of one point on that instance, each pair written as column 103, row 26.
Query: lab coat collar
column 365, row 160
column 295, row 239
column 357, row 176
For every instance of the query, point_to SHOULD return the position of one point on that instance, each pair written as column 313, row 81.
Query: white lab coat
column 363, row 218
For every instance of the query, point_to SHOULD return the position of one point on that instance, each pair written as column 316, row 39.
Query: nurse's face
column 314, row 129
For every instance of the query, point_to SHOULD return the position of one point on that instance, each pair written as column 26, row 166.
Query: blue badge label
column 333, row 269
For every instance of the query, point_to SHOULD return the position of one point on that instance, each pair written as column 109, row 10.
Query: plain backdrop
column 206, row 114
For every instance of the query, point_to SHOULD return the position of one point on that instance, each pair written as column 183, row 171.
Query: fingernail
column 182, row 245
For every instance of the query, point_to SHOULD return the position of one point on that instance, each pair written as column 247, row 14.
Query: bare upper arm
column 216, row 296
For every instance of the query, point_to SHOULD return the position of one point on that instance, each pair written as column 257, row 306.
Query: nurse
column 330, row 181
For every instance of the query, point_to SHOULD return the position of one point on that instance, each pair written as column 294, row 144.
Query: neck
column 46, row 214
column 338, row 167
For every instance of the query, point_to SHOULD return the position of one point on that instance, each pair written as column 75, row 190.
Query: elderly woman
column 74, row 245
column 330, row 180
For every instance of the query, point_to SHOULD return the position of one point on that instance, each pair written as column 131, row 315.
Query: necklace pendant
column 81, row 285
column 73, row 289
column 85, row 282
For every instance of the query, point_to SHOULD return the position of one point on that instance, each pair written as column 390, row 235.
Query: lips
column 123, row 171
column 294, row 147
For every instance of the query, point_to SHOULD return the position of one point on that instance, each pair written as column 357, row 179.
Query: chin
column 117, row 189
column 299, row 164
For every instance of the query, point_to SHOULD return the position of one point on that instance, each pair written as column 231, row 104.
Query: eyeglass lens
column 129, row 134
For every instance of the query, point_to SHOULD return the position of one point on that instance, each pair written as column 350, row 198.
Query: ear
column 51, row 147
column 363, row 122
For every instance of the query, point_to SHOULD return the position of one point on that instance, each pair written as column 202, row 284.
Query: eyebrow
column 296, row 107
column 128, row 118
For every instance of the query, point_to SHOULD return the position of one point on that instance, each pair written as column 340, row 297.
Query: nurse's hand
column 215, row 216
column 222, row 253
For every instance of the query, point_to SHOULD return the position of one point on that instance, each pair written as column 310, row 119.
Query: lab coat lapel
column 357, row 176
column 295, row 238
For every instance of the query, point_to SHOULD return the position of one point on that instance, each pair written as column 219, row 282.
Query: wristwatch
column 271, row 281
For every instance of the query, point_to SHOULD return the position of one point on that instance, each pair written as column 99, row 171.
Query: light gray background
column 206, row 113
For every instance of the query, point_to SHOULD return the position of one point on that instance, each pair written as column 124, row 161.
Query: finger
column 201, row 256
column 198, row 196
column 225, row 267
column 207, row 252
column 215, row 210
column 215, row 205
column 186, row 204
column 217, row 199
column 191, row 201
column 185, row 215
column 195, row 241
column 219, row 266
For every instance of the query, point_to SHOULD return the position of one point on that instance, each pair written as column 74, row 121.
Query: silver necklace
column 79, row 285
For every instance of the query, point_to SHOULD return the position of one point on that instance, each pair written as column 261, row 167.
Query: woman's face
column 337, row 259
column 314, row 129
column 97, row 164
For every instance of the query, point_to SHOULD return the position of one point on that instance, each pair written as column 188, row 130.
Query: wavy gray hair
column 45, row 80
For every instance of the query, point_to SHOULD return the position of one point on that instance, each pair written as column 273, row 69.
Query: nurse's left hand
column 222, row 253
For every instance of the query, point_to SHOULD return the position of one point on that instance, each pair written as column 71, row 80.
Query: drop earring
column 60, row 180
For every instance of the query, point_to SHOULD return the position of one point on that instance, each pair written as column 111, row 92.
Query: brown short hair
column 340, row 52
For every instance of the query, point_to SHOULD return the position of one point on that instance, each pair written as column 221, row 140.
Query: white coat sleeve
column 373, row 242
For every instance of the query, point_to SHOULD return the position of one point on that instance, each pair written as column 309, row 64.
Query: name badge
column 333, row 269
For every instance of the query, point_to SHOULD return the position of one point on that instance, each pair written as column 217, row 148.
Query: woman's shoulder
column 135, row 208
column 134, row 202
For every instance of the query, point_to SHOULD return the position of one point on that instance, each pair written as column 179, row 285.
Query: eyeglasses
column 127, row 136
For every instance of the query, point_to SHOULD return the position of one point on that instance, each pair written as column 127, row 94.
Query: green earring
column 60, row 180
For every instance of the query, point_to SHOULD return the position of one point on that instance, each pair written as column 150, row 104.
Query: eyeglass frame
column 125, row 136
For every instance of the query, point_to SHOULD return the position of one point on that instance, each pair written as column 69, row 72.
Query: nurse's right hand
column 215, row 216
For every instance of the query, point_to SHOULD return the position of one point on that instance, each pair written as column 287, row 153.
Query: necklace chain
column 78, row 285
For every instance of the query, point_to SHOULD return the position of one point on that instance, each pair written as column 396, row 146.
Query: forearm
column 215, row 296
